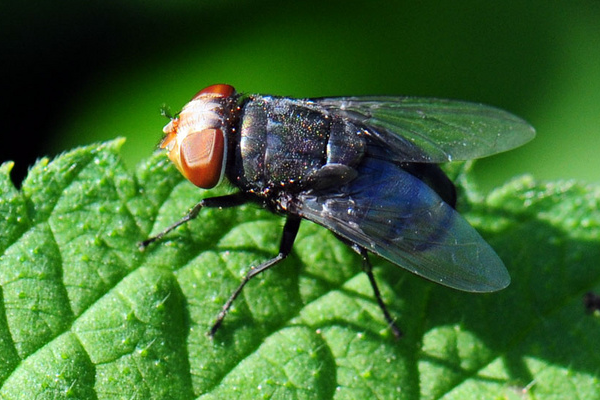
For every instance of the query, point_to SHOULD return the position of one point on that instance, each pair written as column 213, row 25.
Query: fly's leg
column 292, row 224
column 231, row 200
column 368, row 269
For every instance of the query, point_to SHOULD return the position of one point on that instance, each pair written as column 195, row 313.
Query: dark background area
column 74, row 73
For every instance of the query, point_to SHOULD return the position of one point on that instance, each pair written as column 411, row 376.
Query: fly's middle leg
column 290, row 230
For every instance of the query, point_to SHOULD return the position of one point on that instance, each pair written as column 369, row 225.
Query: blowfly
column 363, row 167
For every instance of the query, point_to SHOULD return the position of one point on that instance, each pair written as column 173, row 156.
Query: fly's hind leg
column 368, row 269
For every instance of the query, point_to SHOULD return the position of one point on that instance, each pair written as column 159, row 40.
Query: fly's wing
column 389, row 212
column 432, row 130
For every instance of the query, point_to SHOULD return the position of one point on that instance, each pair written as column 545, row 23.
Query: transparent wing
column 391, row 213
column 433, row 130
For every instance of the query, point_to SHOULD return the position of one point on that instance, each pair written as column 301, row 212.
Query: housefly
column 363, row 167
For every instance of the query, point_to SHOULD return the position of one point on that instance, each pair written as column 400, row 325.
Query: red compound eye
column 201, row 155
column 219, row 90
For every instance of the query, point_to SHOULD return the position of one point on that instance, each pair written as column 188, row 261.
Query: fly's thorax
column 196, row 139
column 291, row 145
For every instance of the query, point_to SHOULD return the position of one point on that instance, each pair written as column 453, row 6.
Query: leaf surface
column 85, row 314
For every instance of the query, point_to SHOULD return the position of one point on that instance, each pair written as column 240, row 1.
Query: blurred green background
column 79, row 72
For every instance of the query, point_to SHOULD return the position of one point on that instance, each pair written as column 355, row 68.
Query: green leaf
column 85, row 314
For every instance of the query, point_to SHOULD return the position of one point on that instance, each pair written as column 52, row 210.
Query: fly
column 363, row 167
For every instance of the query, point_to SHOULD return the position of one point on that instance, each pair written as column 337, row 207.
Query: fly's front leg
column 290, row 230
column 368, row 268
column 231, row 200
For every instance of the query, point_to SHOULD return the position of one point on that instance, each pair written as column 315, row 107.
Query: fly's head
column 195, row 139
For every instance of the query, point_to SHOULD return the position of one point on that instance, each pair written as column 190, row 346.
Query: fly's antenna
column 165, row 111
